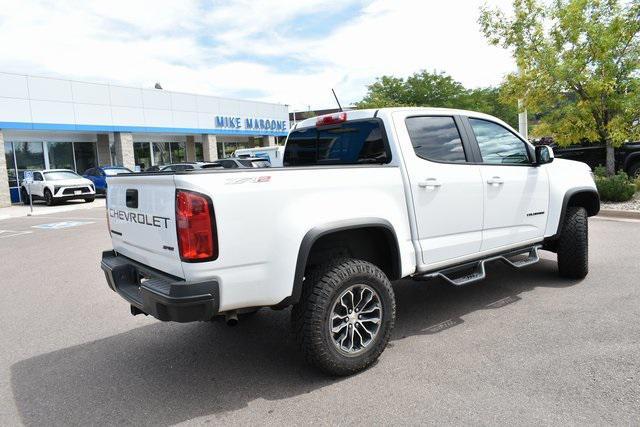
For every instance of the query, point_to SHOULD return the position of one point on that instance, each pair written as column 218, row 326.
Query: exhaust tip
column 231, row 318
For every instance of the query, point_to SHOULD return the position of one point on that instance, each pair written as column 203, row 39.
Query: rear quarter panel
column 263, row 215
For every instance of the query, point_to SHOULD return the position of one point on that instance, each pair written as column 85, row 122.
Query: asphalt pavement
column 522, row 347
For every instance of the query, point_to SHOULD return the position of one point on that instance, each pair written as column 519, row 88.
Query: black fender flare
column 317, row 232
column 589, row 193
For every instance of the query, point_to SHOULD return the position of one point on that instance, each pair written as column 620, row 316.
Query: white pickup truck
column 364, row 198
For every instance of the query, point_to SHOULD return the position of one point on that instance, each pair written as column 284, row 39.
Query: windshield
column 113, row 172
column 55, row 176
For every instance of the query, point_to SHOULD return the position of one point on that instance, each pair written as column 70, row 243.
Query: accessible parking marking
column 60, row 225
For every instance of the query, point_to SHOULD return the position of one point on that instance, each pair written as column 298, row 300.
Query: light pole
column 523, row 124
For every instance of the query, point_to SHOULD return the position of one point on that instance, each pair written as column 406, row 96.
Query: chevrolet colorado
column 363, row 198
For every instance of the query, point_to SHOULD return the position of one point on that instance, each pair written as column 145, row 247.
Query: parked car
column 185, row 166
column 365, row 197
column 56, row 185
column 627, row 156
column 244, row 162
column 98, row 176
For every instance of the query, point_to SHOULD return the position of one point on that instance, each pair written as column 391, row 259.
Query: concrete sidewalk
column 39, row 208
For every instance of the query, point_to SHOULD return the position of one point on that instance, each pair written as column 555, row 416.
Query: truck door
column 445, row 185
column 516, row 191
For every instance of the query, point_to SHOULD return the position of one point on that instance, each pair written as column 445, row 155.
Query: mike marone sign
column 228, row 122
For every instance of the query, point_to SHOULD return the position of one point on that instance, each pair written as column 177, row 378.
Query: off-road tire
column 310, row 316
column 48, row 197
column 573, row 244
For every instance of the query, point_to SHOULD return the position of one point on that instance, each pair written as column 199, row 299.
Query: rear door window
column 436, row 138
column 355, row 142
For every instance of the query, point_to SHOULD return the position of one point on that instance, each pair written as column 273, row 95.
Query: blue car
column 99, row 176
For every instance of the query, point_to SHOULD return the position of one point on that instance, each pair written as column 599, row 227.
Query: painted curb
column 617, row 213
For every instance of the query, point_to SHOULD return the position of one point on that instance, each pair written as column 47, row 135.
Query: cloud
column 283, row 51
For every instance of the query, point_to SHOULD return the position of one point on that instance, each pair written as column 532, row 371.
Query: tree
column 426, row 89
column 578, row 65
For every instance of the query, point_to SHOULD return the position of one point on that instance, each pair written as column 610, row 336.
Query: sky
column 287, row 51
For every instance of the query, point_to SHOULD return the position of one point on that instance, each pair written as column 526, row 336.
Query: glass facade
column 29, row 155
column 11, row 167
column 226, row 149
column 178, row 152
column 162, row 153
column 24, row 155
column 81, row 155
column 85, row 156
column 142, row 155
column 60, row 155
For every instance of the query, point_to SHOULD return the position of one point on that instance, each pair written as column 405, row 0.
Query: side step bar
column 474, row 271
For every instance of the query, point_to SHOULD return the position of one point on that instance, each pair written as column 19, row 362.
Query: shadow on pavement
column 167, row 373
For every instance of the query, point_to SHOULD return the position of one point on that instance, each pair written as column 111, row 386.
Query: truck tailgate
column 141, row 211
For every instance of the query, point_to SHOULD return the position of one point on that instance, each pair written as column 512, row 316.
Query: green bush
column 600, row 171
column 615, row 188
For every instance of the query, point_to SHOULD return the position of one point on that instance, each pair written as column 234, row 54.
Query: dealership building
column 51, row 123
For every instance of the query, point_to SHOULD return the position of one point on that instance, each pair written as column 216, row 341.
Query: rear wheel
column 345, row 316
column 634, row 170
column 573, row 244
column 89, row 199
column 48, row 197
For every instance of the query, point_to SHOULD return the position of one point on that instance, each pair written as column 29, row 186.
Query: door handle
column 496, row 180
column 429, row 183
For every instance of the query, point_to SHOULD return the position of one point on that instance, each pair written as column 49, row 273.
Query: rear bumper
column 163, row 296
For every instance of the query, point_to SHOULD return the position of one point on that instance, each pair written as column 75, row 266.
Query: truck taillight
column 195, row 223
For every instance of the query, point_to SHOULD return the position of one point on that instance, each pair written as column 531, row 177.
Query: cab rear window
column 355, row 142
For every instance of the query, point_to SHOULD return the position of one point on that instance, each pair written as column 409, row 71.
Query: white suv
column 55, row 185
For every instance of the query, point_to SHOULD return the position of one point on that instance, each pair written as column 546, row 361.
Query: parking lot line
column 10, row 233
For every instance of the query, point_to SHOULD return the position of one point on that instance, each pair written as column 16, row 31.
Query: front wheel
column 89, row 199
column 48, row 197
column 573, row 244
column 345, row 316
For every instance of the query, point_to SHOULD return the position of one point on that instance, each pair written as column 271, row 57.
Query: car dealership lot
column 521, row 347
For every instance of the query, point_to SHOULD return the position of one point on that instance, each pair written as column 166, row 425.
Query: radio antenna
column 336, row 97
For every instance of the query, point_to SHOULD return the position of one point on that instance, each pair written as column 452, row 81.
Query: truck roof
column 377, row 112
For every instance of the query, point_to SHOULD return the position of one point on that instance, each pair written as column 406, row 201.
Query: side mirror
column 544, row 155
